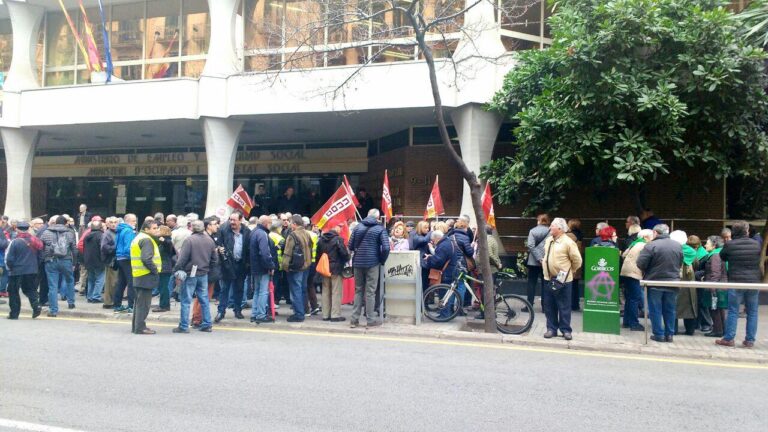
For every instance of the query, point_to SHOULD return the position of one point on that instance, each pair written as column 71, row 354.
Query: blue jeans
column 634, row 299
column 735, row 297
column 4, row 280
column 297, row 282
column 557, row 307
column 260, row 295
column 197, row 285
column 662, row 306
column 231, row 289
column 60, row 268
column 461, row 291
column 95, row 284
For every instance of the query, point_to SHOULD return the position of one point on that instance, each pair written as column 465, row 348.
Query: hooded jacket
column 124, row 236
column 331, row 243
column 370, row 243
column 50, row 236
column 464, row 248
column 22, row 255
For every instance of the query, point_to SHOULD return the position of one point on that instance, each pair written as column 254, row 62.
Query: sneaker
column 206, row 329
column 638, row 327
column 179, row 330
column 294, row 318
column 120, row 309
column 128, row 310
column 72, row 306
column 264, row 320
column 315, row 311
column 51, row 315
column 354, row 324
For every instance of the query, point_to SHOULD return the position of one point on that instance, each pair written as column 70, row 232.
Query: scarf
column 636, row 241
column 689, row 255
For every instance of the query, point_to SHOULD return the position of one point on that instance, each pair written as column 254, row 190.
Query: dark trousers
column 704, row 297
column 311, row 293
column 141, row 309
column 42, row 282
column 27, row 285
column 235, row 287
column 535, row 275
column 557, row 308
column 124, row 279
column 165, row 291
column 718, row 321
column 575, row 295
column 281, row 287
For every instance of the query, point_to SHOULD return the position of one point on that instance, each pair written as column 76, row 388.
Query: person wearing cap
column 22, row 261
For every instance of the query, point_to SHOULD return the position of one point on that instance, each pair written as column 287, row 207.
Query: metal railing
column 693, row 284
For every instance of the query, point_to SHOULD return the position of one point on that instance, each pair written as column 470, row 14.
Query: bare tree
column 362, row 32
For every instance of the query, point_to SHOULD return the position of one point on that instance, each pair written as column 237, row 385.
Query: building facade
column 206, row 95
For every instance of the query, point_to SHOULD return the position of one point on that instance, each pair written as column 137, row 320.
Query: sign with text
column 256, row 162
column 601, row 290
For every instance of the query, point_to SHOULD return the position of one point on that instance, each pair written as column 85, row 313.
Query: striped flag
column 487, row 201
column 435, row 203
column 241, row 201
column 338, row 209
column 386, row 199
column 351, row 192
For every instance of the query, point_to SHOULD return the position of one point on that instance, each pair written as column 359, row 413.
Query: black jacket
column 92, row 251
column 167, row 252
column 661, row 259
column 338, row 254
column 229, row 268
column 742, row 256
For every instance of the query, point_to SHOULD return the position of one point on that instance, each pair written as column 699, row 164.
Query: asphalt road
column 95, row 376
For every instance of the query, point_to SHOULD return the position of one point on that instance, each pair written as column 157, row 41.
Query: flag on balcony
column 435, row 203
column 337, row 210
column 107, row 48
column 77, row 37
column 487, row 201
column 93, row 52
column 241, row 201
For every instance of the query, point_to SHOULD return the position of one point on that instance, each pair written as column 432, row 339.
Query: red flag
column 351, row 192
column 337, row 209
column 487, row 201
column 386, row 200
column 241, row 201
column 435, row 203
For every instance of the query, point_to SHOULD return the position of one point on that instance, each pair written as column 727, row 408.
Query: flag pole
column 437, row 215
column 357, row 213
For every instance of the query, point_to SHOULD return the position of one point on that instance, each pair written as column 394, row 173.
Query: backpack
column 297, row 256
column 61, row 247
column 323, row 265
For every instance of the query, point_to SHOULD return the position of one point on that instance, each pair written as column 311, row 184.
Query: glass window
column 390, row 24
column 127, row 30
column 59, row 78
column 514, row 44
column 6, row 46
column 162, row 39
column 522, row 18
column 192, row 68
column 128, row 72
column 196, row 27
column 93, row 18
column 342, row 29
column 60, row 42
column 434, row 9
column 263, row 24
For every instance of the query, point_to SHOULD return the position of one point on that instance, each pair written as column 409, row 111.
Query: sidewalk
column 467, row 329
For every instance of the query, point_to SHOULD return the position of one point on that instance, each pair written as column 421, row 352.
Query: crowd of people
column 237, row 261
column 651, row 252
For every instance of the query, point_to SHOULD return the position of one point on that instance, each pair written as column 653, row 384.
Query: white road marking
column 20, row 425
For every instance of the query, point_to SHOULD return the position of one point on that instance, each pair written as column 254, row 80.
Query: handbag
column 436, row 276
column 555, row 285
column 323, row 266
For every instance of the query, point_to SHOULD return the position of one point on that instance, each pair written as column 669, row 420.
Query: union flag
column 487, row 201
column 241, row 201
column 386, row 200
column 338, row 209
column 435, row 203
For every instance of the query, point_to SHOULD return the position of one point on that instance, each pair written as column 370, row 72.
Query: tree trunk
column 484, row 264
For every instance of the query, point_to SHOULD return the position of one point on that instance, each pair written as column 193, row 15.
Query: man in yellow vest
column 281, row 284
column 145, row 269
column 311, row 305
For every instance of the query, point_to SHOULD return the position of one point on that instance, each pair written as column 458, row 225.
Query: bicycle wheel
column 514, row 315
column 441, row 303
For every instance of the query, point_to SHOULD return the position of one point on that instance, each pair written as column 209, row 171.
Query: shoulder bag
column 555, row 285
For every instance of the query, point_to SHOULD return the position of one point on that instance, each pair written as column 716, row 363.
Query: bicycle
column 514, row 314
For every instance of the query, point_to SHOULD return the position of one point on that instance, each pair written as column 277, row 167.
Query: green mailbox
column 601, row 290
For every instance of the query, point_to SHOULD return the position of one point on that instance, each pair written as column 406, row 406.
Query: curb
column 468, row 336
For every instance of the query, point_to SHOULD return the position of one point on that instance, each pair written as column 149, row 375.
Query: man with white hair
column 561, row 259
column 198, row 255
column 662, row 260
column 595, row 241
column 370, row 244
column 180, row 233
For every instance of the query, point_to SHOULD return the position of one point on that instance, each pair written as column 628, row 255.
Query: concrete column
column 25, row 22
column 222, row 137
column 222, row 52
column 480, row 33
column 477, row 130
column 19, row 145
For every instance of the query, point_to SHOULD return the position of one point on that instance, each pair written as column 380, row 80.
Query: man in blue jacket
column 262, row 268
column 370, row 244
column 22, row 260
column 464, row 249
column 125, row 233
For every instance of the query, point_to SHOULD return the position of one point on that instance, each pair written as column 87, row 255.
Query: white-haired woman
column 632, row 276
column 561, row 260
